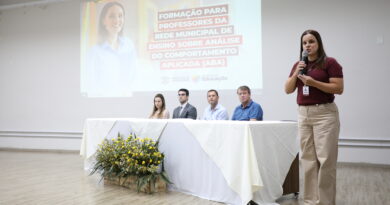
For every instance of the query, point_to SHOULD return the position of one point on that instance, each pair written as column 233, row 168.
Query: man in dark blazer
column 185, row 110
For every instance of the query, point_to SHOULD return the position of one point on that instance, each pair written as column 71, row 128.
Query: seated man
column 248, row 110
column 214, row 111
column 185, row 110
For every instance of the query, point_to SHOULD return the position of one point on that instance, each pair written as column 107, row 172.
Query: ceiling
column 13, row 2
column 9, row 4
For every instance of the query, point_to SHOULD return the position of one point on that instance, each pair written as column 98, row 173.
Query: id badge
column 305, row 90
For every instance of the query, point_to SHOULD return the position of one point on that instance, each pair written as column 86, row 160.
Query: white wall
column 41, row 106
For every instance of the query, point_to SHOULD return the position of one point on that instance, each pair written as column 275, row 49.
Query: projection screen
column 148, row 45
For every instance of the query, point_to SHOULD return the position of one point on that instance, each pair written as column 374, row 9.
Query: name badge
column 305, row 90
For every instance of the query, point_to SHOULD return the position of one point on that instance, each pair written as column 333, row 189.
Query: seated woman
column 159, row 111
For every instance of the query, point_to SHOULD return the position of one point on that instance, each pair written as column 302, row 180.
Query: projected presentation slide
column 153, row 45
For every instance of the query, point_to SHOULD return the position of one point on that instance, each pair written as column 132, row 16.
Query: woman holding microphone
column 318, row 80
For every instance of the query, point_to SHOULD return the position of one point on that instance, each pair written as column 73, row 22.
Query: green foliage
column 133, row 156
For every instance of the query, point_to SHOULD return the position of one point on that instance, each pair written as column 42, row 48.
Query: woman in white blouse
column 159, row 111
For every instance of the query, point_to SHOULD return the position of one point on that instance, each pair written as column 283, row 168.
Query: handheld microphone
column 306, row 59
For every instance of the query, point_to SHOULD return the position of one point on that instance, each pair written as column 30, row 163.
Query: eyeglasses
column 181, row 94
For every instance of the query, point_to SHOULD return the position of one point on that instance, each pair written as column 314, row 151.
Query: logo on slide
column 195, row 78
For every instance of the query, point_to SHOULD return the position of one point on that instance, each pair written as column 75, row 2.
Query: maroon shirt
column 332, row 69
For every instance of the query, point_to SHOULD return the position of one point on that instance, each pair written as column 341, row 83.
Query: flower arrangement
column 132, row 158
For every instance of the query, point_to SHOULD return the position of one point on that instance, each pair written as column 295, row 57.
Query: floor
column 58, row 178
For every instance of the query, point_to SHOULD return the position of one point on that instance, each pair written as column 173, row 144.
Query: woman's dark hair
column 102, row 30
column 321, row 52
column 160, row 115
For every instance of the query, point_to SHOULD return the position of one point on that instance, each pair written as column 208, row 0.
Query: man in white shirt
column 214, row 111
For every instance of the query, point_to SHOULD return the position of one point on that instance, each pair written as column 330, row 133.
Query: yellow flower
column 129, row 152
column 141, row 154
column 143, row 162
column 158, row 161
column 150, row 161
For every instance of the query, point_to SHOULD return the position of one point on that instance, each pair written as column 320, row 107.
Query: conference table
column 226, row 161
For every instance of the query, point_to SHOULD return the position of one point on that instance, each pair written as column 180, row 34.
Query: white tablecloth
column 226, row 161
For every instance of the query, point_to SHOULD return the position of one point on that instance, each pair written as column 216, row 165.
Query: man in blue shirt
column 214, row 111
column 248, row 110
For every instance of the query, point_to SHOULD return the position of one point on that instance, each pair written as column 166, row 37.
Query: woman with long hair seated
column 159, row 111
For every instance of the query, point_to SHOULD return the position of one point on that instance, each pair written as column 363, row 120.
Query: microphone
column 306, row 59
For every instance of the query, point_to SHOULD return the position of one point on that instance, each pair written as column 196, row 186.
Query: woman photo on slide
column 111, row 64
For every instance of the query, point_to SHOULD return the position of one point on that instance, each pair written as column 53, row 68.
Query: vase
column 131, row 182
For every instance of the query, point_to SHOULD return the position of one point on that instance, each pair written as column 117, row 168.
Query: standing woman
column 318, row 119
column 159, row 111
